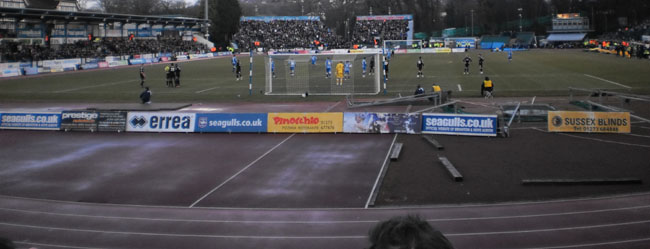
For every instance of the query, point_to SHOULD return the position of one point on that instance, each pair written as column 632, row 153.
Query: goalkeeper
column 339, row 73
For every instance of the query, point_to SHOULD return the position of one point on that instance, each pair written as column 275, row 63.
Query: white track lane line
column 636, row 135
column 93, row 86
column 365, row 237
column 608, row 81
column 354, row 221
column 50, row 245
column 318, row 237
column 594, row 244
column 241, row 171
column 550, row 229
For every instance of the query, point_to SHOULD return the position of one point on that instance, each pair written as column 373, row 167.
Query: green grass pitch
column 531, row 73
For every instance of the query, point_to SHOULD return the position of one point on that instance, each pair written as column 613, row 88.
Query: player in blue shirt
column 510, row 56
column 386, row 68
column 292, row 66
column 234, row 63
column 363, row 66
column 328, row 68
column 313, row 60
column 346, row 69
column 273, row 68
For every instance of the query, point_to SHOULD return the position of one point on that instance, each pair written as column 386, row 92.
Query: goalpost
column 311, row 78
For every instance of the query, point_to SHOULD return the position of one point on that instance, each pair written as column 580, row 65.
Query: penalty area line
column 93, row 86
column 205, row 90
column 608, row 81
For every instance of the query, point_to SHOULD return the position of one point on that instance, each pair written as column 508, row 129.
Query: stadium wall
column 328, row 122
column 189, row 122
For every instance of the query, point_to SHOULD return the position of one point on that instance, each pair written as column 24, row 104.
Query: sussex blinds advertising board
column 305, row 122
column 369, row 122
column 160, row 122
column 456, row 124
column 30, row 121
column 589, row 122
column 226, row 122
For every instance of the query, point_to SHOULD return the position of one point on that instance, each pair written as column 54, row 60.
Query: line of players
column 342, row 69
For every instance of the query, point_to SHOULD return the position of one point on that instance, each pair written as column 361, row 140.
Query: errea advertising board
column 305, row 122
column 589, row 122
column 30, row 121
column 459, row 124
column 160, row 122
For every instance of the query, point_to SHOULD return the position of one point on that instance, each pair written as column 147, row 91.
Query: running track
column 610, row 222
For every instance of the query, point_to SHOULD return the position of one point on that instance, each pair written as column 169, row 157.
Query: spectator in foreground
column 408, row 232
column 6, row 243
column 419, row 90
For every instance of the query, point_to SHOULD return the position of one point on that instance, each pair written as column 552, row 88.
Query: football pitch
column 531, row 73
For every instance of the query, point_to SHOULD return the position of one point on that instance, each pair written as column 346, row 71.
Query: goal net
column 312, row 78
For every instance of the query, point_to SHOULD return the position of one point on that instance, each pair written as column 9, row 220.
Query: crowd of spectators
column 365, row 32
column 631, row 34
column 281, row 34
column 20, row 52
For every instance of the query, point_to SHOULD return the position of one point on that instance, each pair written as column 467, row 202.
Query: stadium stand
column 366, row 31
column 285, row 33
column 525, row 40
column 492, row 41
column 632, row 34
column 113, row 46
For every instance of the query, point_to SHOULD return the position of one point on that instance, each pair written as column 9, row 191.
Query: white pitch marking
column 383, row 167
column 93, row 86
column 596, row 139
column 608, row 81
column 206, row 90
column 241, row 171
